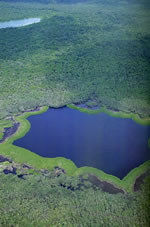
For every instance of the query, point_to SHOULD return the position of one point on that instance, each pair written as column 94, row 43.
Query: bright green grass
column 120, row 114
column 5, row 124
column 1, row 135
column 22, row 155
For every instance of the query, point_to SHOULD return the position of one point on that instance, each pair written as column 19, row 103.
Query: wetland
column 113, row 145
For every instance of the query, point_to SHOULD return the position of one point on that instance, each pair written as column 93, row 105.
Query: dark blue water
column 113, row 145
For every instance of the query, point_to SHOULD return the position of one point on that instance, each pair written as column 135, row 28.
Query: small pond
column 19, row 23
column 111, row 144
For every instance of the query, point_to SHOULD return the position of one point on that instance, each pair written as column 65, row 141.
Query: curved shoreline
column 22, row 155
column 8, row 132
column 18, row 23
column 140, row 180
column 134, row 117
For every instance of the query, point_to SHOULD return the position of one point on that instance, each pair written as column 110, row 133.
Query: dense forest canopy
column 96, row 50
column 82, row 50
column 44, row 200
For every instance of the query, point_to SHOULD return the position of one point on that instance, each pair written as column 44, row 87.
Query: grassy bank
column 1, row 135
column 22, row 155
column 120, row 114
column 128, row 181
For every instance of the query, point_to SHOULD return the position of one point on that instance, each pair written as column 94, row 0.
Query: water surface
column 19, row 23
column 111, row 144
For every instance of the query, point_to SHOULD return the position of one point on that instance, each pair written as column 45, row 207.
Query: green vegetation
column 21, row 155
column 5, row 124
column 126, row 183
column 134, row 117
column 1, row 135
column 97, row 50
column 45, row 200
column 149, row 143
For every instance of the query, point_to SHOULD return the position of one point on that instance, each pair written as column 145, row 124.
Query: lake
column 111, row 144
column 19, row 23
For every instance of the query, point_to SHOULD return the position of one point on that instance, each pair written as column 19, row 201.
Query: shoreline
column 22, row 155
column 119, row 114
column 140, row 180
column 8, row 132
column 97, row 182
column 7, row 167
